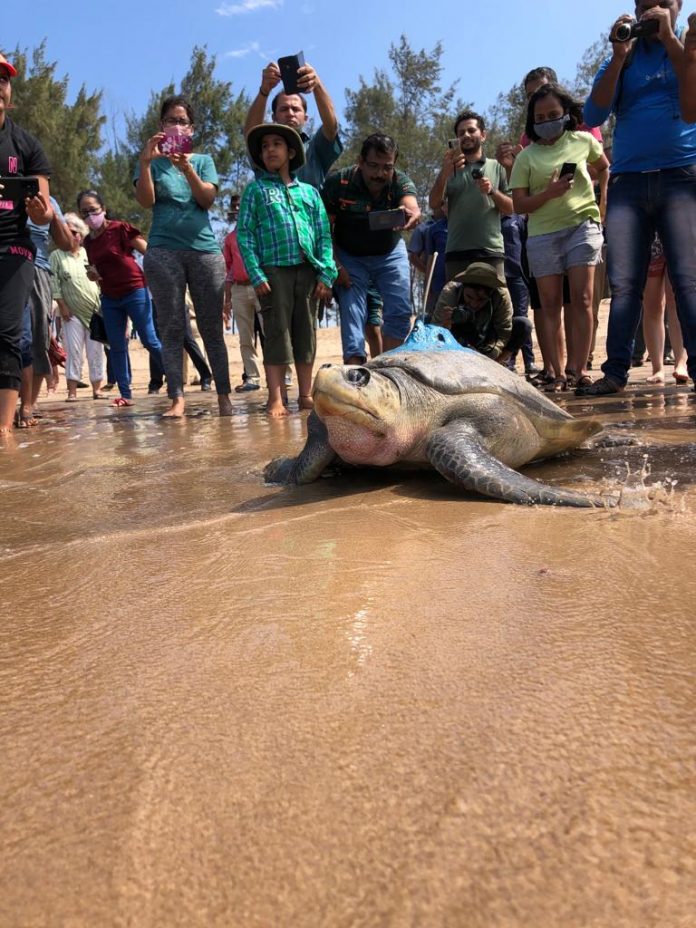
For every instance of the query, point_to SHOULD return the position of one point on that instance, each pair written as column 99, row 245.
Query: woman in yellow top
column 552, row 184
column 78, row 299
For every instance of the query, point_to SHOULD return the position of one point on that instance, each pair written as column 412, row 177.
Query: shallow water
column 371, row 701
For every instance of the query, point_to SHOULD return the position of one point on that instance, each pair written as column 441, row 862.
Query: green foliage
column 408, row 104
column 69, row 133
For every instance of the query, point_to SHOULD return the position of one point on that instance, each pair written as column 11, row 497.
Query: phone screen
column 176, row 144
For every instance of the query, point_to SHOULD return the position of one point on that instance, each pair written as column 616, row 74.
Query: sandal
column 23, row 421
column 540, row 379
column 571, row 378
column 99, row 396
column 557, row 385
column 582, row 382
column 121, row 401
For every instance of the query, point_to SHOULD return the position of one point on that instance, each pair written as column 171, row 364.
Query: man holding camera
column 477, row 309
column 653, row 179
column 321, row 149
column 369, row 206
column 477, row 193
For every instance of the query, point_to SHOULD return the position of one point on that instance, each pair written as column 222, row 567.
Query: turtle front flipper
column 459, row 453
column 308, row 466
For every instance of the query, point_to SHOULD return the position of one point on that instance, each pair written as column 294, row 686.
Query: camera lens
column 477, row 173
column 622, row 33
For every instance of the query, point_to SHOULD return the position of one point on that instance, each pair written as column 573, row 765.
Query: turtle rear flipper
column 308, row 466
column 459, row 453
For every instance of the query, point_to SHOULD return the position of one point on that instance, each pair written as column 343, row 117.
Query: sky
column 127, row 49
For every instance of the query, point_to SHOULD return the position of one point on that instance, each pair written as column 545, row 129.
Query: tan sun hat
column 292, row 137
column 480, row 274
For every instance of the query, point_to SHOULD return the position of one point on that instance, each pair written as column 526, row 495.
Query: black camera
column 644, row 27
column 477, row 173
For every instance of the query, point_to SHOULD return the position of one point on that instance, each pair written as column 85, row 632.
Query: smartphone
column 17, row 189
column 289, row 66
column 382, row 220
column 176, row 144
column 568, row 169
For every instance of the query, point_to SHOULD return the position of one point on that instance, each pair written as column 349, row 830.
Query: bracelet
column 262, row 93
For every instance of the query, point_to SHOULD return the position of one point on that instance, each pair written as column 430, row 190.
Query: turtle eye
column 359, row 376
column 440, row 337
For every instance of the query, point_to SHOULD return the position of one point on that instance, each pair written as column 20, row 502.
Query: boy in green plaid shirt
column 285, row 240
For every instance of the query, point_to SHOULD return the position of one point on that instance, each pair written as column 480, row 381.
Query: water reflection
column 370, row 700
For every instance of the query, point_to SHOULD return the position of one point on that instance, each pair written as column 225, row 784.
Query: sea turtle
column 432, row 402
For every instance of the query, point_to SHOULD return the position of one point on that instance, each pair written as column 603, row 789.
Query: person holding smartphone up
column 551, row 183
column 649, row 84
column 21, row 156
column 289, row 108
column 476, row 190
column 180, row 187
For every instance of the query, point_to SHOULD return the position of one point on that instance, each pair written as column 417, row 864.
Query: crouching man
column 477, row 309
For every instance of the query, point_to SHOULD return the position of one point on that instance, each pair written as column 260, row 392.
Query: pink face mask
column 95, row 220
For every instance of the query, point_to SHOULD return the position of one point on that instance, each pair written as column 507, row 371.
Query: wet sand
column 371, row 701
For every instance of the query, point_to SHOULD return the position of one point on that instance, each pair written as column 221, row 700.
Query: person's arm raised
column 309, row 82
column 270, row 78
column 687, row 83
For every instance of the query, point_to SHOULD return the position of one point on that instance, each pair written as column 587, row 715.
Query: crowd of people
column 552, row 222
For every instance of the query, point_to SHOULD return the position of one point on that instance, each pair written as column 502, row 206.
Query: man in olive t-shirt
column 477, row 194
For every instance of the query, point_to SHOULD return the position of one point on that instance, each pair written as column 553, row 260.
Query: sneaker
column 247, row 387
column 605, row 386
column 206, row 385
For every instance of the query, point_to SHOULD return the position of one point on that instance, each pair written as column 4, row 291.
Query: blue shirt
column 178, row 222
column 436, row 241
column 650, row 133
column 39, row 236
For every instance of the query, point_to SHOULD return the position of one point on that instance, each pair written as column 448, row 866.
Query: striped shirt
column 281, row 225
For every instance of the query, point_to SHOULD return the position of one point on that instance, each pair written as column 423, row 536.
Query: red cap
column 4, row 63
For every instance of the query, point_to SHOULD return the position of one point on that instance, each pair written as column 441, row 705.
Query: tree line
column 405, row 100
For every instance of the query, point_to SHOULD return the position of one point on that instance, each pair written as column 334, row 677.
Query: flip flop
column 121, row 401
column 99, row 396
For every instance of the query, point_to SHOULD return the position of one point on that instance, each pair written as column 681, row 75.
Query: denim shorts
column 555, row 252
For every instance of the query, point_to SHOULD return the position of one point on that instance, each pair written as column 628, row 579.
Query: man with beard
column 365, row 254
column 477, row 194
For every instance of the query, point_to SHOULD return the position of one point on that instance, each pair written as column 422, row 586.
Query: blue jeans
column 639, row 205
column 514, row 229
column 390, row 274
column 116, row 312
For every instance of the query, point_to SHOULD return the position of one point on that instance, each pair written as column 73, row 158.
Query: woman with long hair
column 551, row 183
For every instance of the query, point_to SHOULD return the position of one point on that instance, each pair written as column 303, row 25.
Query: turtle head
column 360, row 407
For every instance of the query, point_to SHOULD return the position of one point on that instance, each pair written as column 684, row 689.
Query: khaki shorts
column 288, row 315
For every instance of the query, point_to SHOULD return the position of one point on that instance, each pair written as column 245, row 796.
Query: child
column 285, row 240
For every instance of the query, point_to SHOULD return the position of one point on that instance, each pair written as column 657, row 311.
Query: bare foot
column 277, row 410
column 657, row 377
column 305, row 402
column 225, row 406
column 176, row 410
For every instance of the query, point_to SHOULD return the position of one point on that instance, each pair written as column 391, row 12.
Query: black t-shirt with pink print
column 21, row 155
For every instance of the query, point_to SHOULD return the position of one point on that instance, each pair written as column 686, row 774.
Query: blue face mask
column 552, row 128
